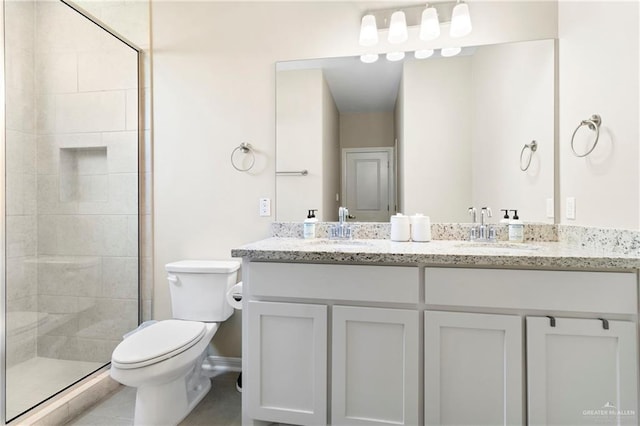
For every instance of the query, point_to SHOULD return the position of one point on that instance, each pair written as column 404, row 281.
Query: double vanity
column 369, row 331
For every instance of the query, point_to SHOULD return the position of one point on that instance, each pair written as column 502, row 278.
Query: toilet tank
column 198, row 288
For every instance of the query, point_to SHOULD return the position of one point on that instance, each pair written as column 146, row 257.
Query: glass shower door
column 71, row 198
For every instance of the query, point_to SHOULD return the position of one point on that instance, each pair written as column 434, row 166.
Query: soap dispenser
column 516, row 228
column 309, row 226
column 505, row 218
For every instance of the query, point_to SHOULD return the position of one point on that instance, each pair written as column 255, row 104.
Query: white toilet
column 164, row 360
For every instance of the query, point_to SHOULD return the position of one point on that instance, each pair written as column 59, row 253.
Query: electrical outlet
column 570, row 208
column 265, row 207
column 550, row 208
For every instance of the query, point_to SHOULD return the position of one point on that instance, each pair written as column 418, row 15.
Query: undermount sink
column 498, row 246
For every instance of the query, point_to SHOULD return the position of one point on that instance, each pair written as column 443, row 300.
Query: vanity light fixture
column 425, row 22
column 447, row 52
column 369, row 58
column 423, row 53
column 368, row 31
column 460, row 21
column 398, row 28
column 430, row 24
column 395, row 56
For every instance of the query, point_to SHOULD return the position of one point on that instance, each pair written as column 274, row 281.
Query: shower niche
column 71, row 198
column 83, row 174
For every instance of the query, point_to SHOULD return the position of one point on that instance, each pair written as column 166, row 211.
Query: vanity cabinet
column 581, row 371
column 375, row 358
column 574, row 366
column 287, row 361
column 473, row 369
column 299, row 321
column 376, row 345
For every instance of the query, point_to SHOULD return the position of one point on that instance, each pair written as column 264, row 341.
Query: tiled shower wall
column 20, row 161
column 131, row 19
column 87, row 185
column 72, row 188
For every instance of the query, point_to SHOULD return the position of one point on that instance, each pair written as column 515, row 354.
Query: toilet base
column 168, row 404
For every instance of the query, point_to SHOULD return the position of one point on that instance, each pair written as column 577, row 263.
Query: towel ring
column 592, row 123
column 533, row 146
column 245, row 148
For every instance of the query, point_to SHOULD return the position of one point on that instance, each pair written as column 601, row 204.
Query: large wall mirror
column 432, row 136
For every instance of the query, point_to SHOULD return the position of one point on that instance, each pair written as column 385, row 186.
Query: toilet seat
column 156, row 343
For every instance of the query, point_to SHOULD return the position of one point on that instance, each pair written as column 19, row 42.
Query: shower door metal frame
column 3, row 219
column 3, row 224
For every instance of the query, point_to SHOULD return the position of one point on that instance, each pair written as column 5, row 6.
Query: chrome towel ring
column 592, row 123
column 244, row 148
column 532, row 147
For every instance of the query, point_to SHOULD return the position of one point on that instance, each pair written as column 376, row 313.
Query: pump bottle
column 516, row 228
column 309, row 226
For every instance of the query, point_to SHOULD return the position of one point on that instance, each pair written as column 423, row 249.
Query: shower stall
column 70, row 219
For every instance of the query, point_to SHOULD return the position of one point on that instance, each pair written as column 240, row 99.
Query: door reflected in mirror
column 452, row 129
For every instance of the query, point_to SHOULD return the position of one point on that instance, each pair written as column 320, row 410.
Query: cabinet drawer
column 571, row 291
column 391, row 284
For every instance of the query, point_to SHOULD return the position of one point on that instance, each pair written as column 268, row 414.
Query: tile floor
column 221, row 407
column 36, row 379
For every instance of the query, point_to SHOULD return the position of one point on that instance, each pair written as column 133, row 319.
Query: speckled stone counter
column 545, row 255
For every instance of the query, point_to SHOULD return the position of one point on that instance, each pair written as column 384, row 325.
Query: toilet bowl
column 164, row 360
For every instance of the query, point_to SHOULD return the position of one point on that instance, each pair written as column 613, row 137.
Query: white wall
column 598, row 67
column 330, row 155
column 300, row 136
column 214, row 87
column 436, row 152
column 398, row 133
column 513, row 104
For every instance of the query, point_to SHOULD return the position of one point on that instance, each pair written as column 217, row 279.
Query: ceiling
column 360, row 87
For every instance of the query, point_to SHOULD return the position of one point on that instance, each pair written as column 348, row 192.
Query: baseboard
column 221, row 364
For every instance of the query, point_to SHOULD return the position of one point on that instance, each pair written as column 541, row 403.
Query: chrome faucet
column 483, row 232
column 487, row 231
column 473, row 232
column 343, row 214
column 342, row 230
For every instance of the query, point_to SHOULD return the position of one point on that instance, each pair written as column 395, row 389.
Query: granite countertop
column 555, row 255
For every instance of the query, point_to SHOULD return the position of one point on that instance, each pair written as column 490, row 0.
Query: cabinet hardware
column 552, row 321
column 605, row 323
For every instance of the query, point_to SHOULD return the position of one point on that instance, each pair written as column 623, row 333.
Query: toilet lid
column 157, row 342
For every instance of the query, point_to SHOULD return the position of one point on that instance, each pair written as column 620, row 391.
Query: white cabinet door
column 286, row 373
column 473, row 369
column 578, row 372
column 375, row 366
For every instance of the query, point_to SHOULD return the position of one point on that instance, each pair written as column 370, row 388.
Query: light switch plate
column 570, row 208
column 265, row 207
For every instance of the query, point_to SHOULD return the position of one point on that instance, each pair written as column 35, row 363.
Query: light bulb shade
column 369, row 58
column 368, row 31
column 395, row 56
column 460, row 21
column 430, row 25
column 450, row 51
column 423, row 53
column 398, row 28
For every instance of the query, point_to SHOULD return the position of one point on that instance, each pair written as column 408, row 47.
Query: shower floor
column 29, row 382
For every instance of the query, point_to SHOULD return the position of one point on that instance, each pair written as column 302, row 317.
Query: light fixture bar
column 413, row 14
